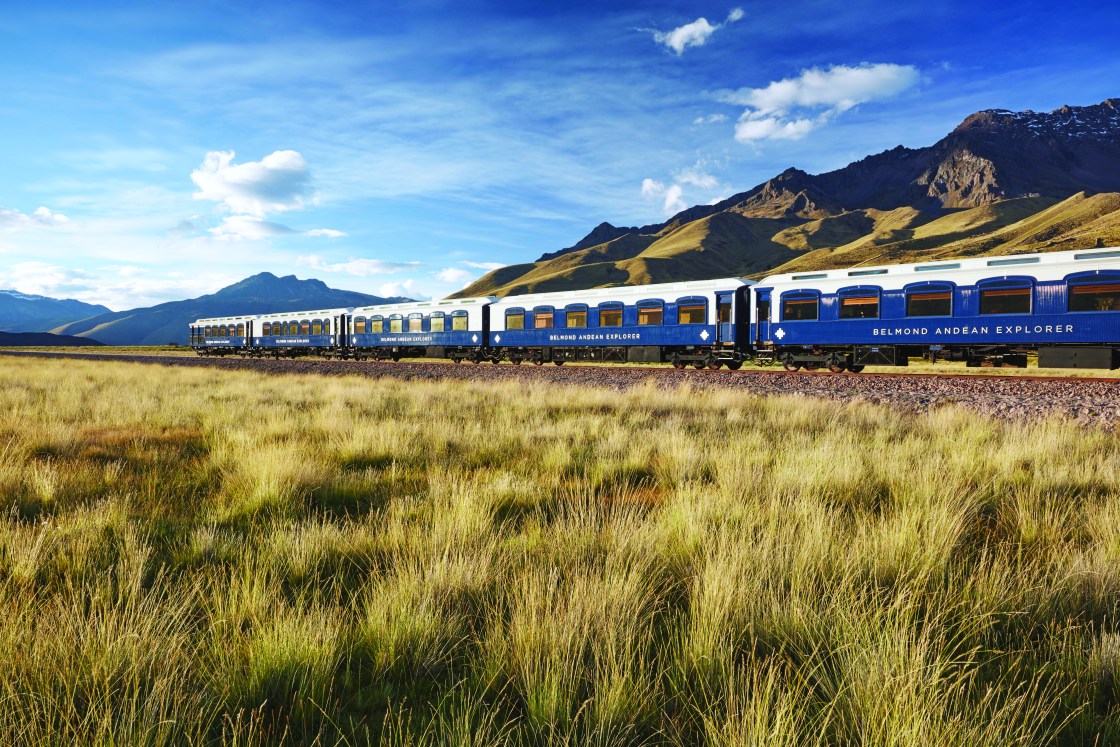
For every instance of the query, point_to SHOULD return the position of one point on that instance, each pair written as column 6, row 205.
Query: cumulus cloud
column 41, row 216
column 671, row 196
column 358, row 267
column 277, row 183
column 406, row 288
column 248, row 227
column 45, row 279
column 792, row 108
column 694, row 34
column 485, row 265
column 455, row 276
column 330, row 233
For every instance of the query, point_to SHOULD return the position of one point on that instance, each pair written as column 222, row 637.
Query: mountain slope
column 167, row 322
column 43, row 339
column 1001, row 181
column 23, row 312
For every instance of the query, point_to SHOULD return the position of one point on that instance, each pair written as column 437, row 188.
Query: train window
column 376, row 325
column 692, row 314
column 209, row 332
column 415, row 322
column 223, row 331
column 724, row 311
column 515, row 319
column 1005, row 301
column 317, row 326
column 1104, row 297
column 576, row 317
column 610, row 316
column 929, row 303
column 436, row 322
column 459, row 321
column 542, row 319
column 266, row 329
column 396, row 324
column 241, row 330
column 305, row 327
column 799, row 309
column 651, row 315
column 859, row 307
column 360, row 325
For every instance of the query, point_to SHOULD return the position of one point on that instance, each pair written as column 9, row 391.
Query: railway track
column 1091, row 401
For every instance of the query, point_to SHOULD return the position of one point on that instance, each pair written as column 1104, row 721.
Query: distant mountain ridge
column 1001, row 181
column 25, row 312
column 258, row 294
column 44, row 339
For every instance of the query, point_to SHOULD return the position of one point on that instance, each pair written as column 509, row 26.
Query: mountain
column 43, row 339
column 23, row 312
column 262, row 293
column 1000, row 182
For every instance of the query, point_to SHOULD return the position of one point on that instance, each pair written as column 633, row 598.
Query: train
column 992, row 310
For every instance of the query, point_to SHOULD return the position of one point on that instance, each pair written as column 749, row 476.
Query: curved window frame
column 800, row 296
column 1010, row 283
column 859, row 292
column 575, row 312
column 359, row 325
column 692, row 303
column 316, row 326
column 208, row 331
column 544, row 313
column 377, row 324
column 396, row 324
column 305, row 326
column 1084, row 279
column 459, row 321
column 437, row 321
column 612, row 308
column 646, row 315
column 415, row 322
column 929, row 288
column 518, row 313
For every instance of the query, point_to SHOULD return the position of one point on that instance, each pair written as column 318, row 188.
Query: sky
column 157, row 151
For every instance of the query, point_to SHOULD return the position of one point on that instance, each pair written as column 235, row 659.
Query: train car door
column 725, row 331
column 342, row 331
column 248, row 341
column 762, row 316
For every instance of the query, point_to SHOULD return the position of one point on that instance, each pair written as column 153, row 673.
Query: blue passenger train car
column 977, row 309
column 452, row 328
column 685, row 323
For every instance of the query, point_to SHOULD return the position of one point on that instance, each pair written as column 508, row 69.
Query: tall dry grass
column 196, row 557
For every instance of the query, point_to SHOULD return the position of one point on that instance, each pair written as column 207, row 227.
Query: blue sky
column 162, row 150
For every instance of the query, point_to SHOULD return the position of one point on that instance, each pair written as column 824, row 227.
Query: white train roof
column 624, row 293
column 959, row 270
column 446, row 305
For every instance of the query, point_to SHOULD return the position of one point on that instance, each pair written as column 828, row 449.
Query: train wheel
column 837, row 364
column 677, row 363
column 559, row 363
column 456, row 359
column 734, row 365
column 699, row 365
column 476, row 361
column 538, row 362
column 515, row 361
column 855, row 369
column 714, row 365
column 495, row 360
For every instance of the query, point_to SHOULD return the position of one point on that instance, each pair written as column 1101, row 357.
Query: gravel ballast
column 1092, row 402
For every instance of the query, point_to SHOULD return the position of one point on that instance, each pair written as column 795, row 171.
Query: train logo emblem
column 779, row 333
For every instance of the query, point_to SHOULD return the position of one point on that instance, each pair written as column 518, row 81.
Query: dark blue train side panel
column 454, row 338
column 294, row 341
column 665, row 335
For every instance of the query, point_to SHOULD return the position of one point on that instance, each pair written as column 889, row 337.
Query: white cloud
column 670, row 197
column 485, row 265
column 330, row 233
column 278, row 182
column 790, row 109
column 405, row 288
column 41, row 216
column 359, row 267
column 710, row 119
column 694, row 34
column 455, row 276
column 696, row 177
column 236, row 227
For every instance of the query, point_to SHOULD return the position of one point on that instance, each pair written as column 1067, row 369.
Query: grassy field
column 190, row 556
